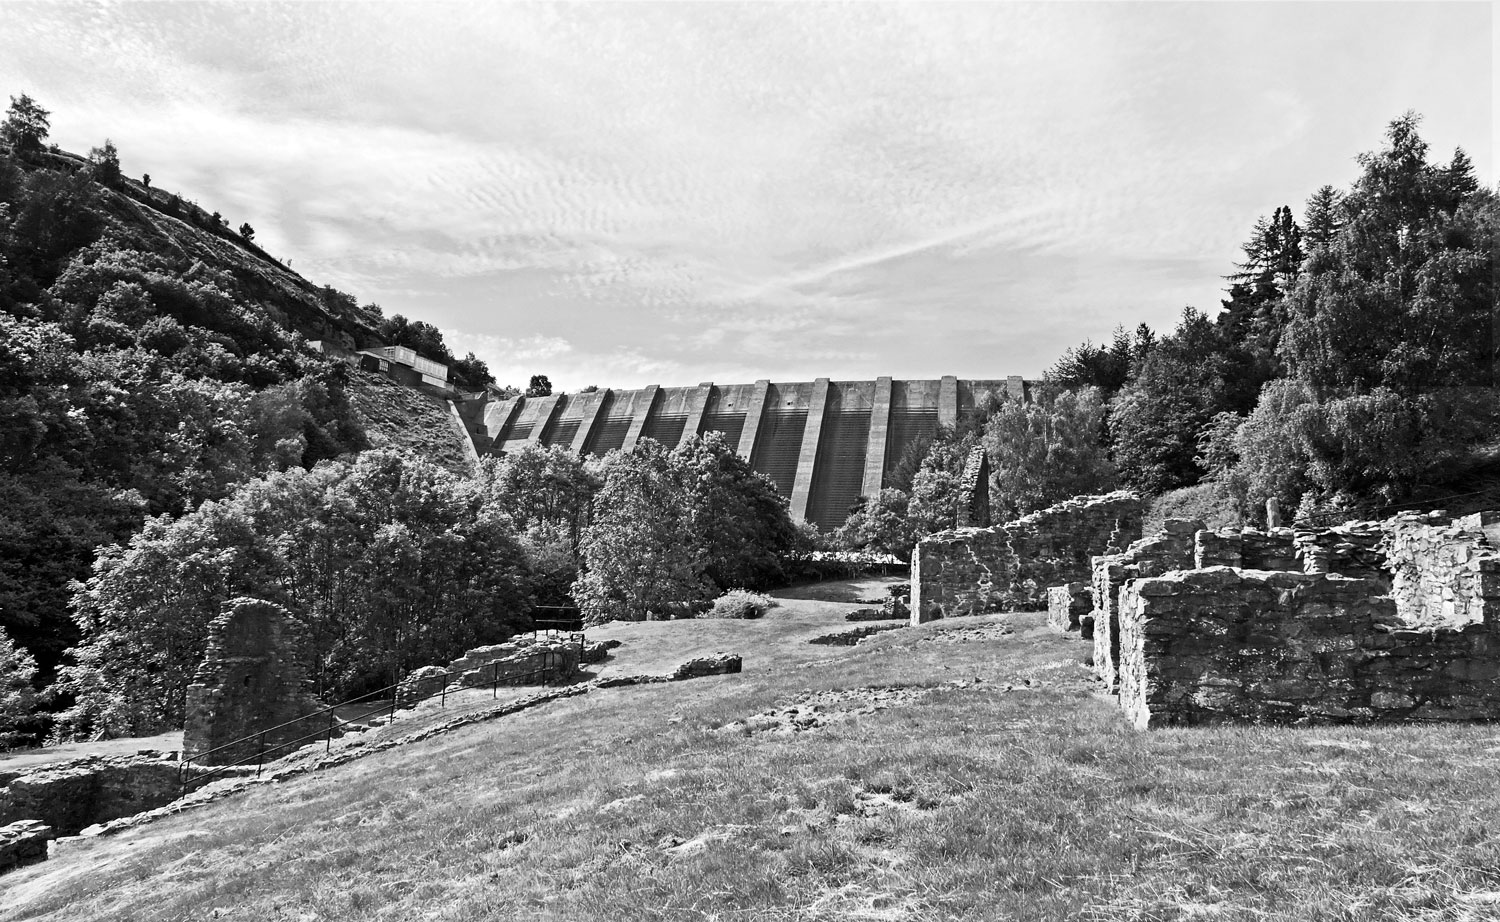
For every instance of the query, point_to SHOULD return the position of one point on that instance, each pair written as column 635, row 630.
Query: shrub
column 1209, row 502
column 17, row 697
column 741, row 603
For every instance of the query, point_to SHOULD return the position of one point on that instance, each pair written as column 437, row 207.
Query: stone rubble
column 851, row 637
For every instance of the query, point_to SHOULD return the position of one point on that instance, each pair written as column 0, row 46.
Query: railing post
column 329, row 748
column 443, row 701
column 260, row 758
column 495, row 681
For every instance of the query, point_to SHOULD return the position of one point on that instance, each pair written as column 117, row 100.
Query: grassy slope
column 290, row 299
column 1022, row 796
column 396, row 416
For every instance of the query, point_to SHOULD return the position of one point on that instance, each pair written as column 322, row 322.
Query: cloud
column 689, row 192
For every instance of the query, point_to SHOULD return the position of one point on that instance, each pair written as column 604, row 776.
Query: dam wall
column 825, row 444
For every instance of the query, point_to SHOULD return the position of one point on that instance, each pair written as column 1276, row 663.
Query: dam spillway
column 823, row 443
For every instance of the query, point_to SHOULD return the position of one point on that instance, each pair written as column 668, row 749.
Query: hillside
column 964, row 769
column 161, row 221
column 152, row 359
column 395, row 416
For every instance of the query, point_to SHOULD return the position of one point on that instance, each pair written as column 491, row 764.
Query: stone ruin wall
column 520, row 661
column 69, row 796
column 1392, row 620
column 1216, row 645
column 251, row 679
column 1171, row 549
column 1069, row 607
column 969, row 571
column 974, row 491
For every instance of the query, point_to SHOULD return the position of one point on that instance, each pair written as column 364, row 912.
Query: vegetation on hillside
column 151, row 361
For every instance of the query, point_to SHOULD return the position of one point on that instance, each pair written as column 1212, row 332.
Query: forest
column 169, row 441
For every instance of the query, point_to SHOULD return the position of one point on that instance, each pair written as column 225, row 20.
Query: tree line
column 1351, row 369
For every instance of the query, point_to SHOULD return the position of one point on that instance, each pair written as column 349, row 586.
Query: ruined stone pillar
column 974, row 491
column 251, row 680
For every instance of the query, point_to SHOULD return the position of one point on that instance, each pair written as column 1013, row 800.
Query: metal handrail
column 184, row 779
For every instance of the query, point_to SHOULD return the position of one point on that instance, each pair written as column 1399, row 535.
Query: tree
column 105, row 164
column 1106, row 368
column 637, row 563
column 146, row 180
column 247, row 232
column 471, row 372
column 1255, row 313
column 17, row 696
column 737, row 520
column 539, row 387
column 26, row 125
column 1322, row 218
column 935, row 488
column 390, row 561
column 882, row 524
column 1046, row 451
column 1403, row 296
column 1185, row 380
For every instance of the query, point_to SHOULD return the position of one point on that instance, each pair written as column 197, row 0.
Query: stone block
column 23, row 842
column 718, row 664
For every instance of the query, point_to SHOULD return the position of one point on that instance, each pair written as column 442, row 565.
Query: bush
column 741, row 603
column 17, row 697
column 1210, row 502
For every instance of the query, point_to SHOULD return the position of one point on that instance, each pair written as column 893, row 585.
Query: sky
column 626, row 194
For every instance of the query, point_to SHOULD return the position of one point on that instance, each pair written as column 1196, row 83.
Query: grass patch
column 996, row 785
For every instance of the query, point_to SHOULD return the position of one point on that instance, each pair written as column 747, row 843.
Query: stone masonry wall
column 1250, row 548
column 252, row 679
column 1441, row 573
column 1068, row 606
column 974, row 491
column 1170, row 549
column 1220, row 644
column 71, row 795
column 519, row 660
column 1009, row 567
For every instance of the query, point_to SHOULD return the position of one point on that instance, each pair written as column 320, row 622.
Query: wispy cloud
column 616, row 194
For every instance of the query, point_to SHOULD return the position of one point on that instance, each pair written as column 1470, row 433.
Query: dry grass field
column 966, row 769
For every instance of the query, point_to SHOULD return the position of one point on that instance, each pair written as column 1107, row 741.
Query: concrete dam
column 823, row 443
